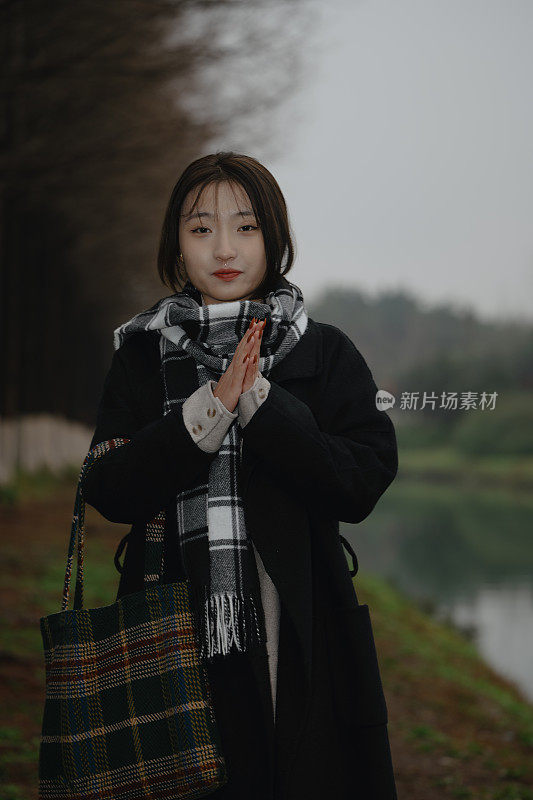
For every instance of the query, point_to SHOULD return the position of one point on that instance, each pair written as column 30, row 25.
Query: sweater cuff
column 250, row 400
column 206, row 417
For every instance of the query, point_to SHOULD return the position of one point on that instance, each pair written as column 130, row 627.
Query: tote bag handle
column 153, row 567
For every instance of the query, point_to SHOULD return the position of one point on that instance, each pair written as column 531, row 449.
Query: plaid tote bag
column 128, row 709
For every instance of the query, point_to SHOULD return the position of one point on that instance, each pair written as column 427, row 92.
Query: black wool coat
column 316, row 452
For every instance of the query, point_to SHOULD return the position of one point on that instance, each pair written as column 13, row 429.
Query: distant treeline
column 411, row 348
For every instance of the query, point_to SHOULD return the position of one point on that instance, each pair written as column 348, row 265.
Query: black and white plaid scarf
column 216, row 550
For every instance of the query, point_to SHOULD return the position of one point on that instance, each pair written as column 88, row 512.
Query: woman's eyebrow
column 247, row 213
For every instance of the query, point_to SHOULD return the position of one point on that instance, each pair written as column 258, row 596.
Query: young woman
column 256, row 429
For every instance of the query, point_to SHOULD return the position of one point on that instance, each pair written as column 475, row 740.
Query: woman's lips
column 227, row 276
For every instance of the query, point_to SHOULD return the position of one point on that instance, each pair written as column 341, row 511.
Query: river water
column 468, row 554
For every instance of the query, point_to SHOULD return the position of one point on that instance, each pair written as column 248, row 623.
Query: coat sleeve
column 343, row 465
column 133, row 482
column 206, row 418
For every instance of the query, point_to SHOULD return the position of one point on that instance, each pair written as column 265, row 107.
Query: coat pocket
column 357, row 691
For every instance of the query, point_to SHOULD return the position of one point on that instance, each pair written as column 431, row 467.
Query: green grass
column 37, row 485
column 452, row 705
column 446, row 463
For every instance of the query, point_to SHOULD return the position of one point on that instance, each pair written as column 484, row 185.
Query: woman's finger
column 242, row 344
column 254, row 356
column 246, row 359
column 248, row 377
column 246, row 339
column 252, row 362
column 240, row 354
column 255, row 366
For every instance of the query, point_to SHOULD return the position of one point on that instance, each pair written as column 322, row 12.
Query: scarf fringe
column 229, row 622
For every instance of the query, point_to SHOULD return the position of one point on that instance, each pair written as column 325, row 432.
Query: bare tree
column 104, row 105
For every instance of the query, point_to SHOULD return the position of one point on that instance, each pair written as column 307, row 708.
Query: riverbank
column 457, row 730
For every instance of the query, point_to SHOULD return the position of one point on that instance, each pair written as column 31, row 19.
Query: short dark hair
column 267, row 202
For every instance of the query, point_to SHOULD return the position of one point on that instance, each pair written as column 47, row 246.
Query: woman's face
column 223, row 232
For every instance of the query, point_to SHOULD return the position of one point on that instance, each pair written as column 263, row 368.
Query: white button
column 211, row 412
column 261, row 392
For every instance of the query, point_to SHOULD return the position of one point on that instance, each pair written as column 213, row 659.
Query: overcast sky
column 409, row 160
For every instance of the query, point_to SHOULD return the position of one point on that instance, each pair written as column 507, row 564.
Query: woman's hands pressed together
column 242, row 372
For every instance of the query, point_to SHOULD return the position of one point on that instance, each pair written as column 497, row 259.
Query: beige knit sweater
column 207, row 419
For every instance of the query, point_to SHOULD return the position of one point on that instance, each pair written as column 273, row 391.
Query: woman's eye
column 202, row 229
